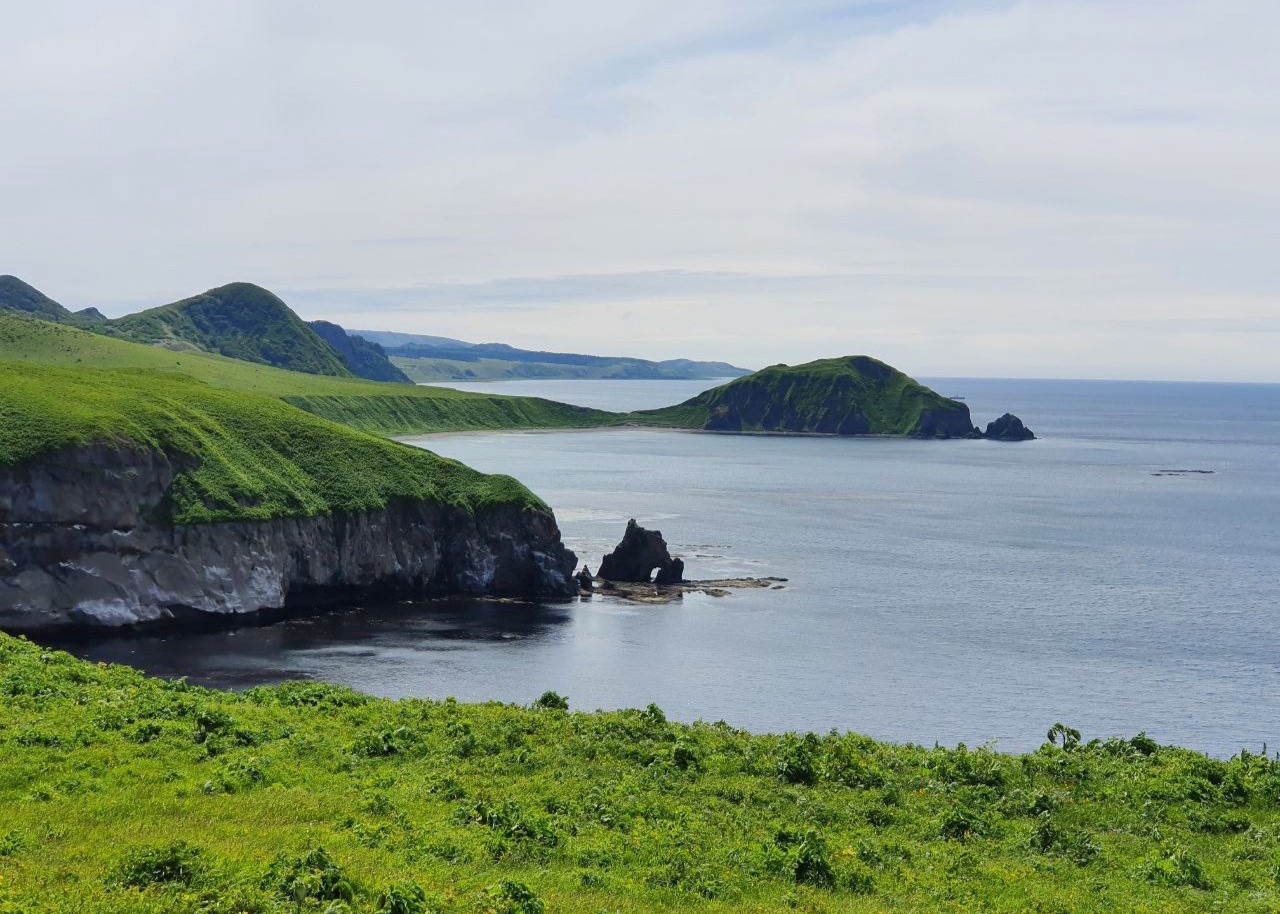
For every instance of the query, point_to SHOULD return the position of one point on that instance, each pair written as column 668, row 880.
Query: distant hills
column 16, row 295
column 243, row 321
column 439, row 358
column 238, row 320
column 365, row 358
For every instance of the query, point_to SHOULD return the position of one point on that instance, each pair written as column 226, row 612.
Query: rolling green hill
column 123, row 793
column 387, row 409
column 853, row 395
column 240, row 321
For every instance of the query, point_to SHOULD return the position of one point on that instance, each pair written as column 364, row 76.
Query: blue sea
column 957, row 591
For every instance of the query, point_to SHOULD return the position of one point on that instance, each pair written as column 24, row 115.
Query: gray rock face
column 951, row 423
column 639, row 553
column 1008, row 428
column 83, row 542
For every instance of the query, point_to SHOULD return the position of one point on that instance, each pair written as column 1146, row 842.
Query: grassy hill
column 387, row 409
column 240, row 321
column 853, row 395
column 255, row 457
column 17, row 296
column 123, row 793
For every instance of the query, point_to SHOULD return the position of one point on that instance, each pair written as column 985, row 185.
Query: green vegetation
column 241, row 321
column 439, row 358
column 17, row 296
column 364, row 359
column 128, row 794
column 387, row 409
column 427, row 368
column 849, row 395
column 249, row 457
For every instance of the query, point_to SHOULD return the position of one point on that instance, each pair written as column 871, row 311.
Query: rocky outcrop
column 672, row 573
column 84, row 541
column 1008, row 428
column 639, row 553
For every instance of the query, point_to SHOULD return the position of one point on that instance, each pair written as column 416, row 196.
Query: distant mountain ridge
column 435, row 358
column 239, row 320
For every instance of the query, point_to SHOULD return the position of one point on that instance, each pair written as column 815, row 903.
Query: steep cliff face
column 84, row 540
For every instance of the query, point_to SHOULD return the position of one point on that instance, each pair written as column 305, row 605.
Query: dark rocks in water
column 586, row 580
column 1008, row 428
column 672, row 573
column 635, row 558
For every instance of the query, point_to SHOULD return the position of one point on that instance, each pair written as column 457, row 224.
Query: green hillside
column 17, row 296
column 363, row 359
column 123, row 793
column 253, row 457
column 853, row 395
column 387, row 409
column 241, row 321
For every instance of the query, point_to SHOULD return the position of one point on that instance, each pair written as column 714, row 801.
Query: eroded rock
column 1008, row 428
column 635, row 558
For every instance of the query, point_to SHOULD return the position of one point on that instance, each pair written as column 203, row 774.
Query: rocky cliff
column 84, row 541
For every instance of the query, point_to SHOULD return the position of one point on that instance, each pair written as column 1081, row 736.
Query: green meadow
column 122, row 793
column 385, row 409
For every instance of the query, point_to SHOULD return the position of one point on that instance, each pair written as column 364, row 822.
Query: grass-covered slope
column 853, row 395
column 363, row 359
column 251, row 457
column 18, row 296
column 241, row 321
column 122, row 793
column 388, row 409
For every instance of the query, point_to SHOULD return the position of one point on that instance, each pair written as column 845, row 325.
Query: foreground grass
column 241, row 456
column 127, row 794
column 387, row 409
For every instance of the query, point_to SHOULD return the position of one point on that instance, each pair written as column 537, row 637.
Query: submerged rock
column 88, row 544
column 1008, row 428
column 635, row 558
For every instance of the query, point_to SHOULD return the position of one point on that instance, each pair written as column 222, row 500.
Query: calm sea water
column 939, row 591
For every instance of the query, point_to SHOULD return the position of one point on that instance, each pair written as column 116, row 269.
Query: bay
column 938, row 591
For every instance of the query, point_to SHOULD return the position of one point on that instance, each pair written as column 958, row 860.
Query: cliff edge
column 130, row 497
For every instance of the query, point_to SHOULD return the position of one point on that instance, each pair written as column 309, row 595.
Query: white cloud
column 1061, row 187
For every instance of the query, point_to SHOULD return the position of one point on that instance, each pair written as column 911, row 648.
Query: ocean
column 1120, row 574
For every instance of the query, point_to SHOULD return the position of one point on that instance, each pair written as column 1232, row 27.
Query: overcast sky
column 967, row 187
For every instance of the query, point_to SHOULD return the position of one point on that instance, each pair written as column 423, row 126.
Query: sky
column 1054, row 188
